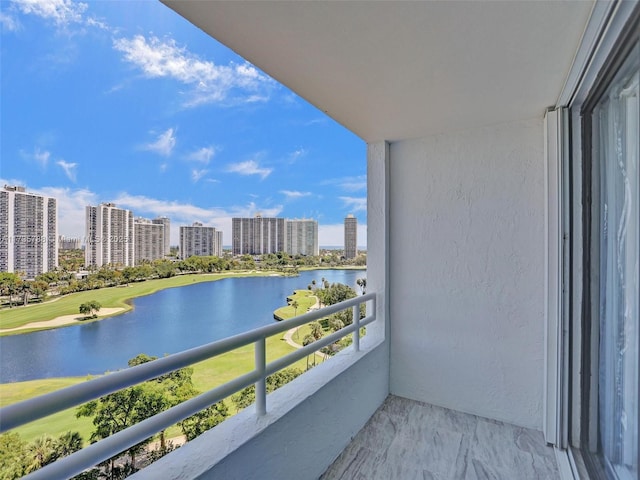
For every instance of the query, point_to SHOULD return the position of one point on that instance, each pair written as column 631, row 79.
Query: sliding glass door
column 613, row 422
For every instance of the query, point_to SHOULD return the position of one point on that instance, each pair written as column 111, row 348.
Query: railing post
column 261, row 384
column 356, row 332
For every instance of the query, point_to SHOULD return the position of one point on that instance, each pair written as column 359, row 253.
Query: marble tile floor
column 409, row 440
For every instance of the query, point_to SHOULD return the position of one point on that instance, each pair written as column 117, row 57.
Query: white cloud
column 333, row 235
column 349, row 184
column 296, row 155
column 164, row 144
column 198, row 174
column 355, row 204
column 186, row 214
column 61, row 12
column 211, row 83
column 203, row 155
column 69, row 169
column 292, row 194
column 72, row 203
column 39, row 156
column 9, row 23
column 71, row 208
column 249, row 167
column 94, row 22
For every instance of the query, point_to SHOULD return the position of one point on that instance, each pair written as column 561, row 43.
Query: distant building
column 69, row 243
column 148, row 240
column 350, row 237
column 167, row 233
column 302, row 237
column 28, row 232
column 109, row 236
column 200, row 240
column 258, row 235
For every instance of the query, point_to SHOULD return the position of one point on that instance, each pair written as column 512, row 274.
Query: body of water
column 165, row 322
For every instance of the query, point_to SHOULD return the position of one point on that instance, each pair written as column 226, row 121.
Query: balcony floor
column 410, row 440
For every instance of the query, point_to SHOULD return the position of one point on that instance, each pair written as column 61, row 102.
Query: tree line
column 18, row 291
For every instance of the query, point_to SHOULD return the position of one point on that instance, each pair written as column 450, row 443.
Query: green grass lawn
column 108, row 297
column 207, row 374
column 305, row 299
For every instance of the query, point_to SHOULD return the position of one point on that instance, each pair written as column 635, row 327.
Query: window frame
column 608, row 33
column 584, row 353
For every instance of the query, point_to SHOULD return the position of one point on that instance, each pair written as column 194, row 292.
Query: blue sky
column 127, row 102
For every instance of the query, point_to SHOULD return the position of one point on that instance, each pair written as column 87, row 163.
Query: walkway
column 288, row 336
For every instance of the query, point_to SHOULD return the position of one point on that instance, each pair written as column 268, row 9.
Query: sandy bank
column 62, row 320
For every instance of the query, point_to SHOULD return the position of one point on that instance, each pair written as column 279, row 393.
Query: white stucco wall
column 466, row 271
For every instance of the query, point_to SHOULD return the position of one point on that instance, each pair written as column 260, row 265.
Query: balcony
column 472, row 353
column 314, row 419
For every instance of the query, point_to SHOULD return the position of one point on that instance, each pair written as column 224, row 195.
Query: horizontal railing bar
column 111, row 446
column 32, row 409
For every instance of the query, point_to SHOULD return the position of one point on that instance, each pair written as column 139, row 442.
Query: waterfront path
column 288, row 336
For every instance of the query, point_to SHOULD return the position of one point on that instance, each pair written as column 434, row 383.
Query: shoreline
column 64, row 320
column 122, row 303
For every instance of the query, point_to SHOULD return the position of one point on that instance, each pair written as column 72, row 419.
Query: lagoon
column 162, row 323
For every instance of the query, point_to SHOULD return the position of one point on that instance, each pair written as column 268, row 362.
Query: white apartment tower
column 200, row 240
column 148, row 239
column 109, row 236
column 65, row 243
column 350, row 237
column 28, row 232
column 166, row 223
column 258, row 235
column 302, row 237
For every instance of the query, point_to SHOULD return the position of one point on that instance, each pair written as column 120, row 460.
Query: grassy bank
column 305, row 299
column 111, row 297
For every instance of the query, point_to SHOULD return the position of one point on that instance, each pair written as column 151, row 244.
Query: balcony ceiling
column 396, row 70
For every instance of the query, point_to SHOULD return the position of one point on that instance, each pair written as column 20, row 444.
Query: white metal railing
column 27, row 411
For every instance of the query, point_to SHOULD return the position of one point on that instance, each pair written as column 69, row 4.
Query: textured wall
column 466, row 271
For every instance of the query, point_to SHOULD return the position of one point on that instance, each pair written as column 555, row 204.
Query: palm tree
column 309, row 339
column 25, row 289
column 68, row 443
column 316, row 330
column 295, row 306
column 41, row 453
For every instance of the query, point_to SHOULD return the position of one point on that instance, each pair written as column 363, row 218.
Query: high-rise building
column 219, row 243
column 167, row 233
column 350, row 237
column 200, row 240
column 258, row 235
column 109, row 236
column 148, row 240
column 69, row 243
column 302, row 237
column 28, row 232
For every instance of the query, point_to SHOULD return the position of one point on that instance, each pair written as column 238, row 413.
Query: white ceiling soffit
column 398, row 70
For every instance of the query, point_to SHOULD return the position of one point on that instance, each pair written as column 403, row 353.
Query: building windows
column 611, row 257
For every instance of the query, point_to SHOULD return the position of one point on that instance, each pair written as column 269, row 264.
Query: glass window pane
column 616, row 150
